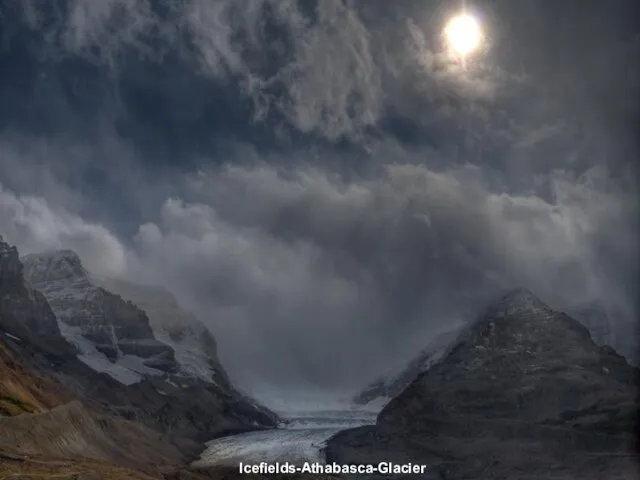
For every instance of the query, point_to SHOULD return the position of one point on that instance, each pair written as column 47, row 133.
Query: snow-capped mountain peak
column 126, row 330
column 112, row 336
column 58, row 265
column 116, row 364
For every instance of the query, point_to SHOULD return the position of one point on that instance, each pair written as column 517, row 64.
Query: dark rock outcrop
column 523, row 392
column 24, row 312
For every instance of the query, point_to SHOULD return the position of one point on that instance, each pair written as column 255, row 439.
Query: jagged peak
column 53, row 265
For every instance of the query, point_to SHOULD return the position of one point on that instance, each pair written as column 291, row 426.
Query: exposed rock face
column 194, row 346
column 521, row 360
column 129, row 387
column 620, row 335
column 199, row 369
column 24, row 312
column 522, row 391
column 116, row 328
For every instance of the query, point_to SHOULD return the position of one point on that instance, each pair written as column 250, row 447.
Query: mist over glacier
column 317, row 181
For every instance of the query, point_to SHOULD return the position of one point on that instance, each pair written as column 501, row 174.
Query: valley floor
column 302, row 439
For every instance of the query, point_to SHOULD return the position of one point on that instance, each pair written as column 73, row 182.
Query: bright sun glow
column 463, row 34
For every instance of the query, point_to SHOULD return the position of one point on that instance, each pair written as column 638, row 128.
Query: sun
column 463, row 34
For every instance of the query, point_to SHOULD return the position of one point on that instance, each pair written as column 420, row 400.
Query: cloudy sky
column 321, row 181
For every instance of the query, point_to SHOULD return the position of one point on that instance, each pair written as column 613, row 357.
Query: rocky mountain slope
column 523, row 392
column 41, row 424
column 619, row 334
column 25, row 312
column 21, row 466
column 194, row 409
column 194, row 346
column 74, row 431
column 112, row 335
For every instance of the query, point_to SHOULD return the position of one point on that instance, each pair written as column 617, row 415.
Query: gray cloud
column 332, row 68
column 304, row 264
column 311, row 268
column 35, row 226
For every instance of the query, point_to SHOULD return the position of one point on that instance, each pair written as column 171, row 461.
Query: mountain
column 61, row 413
column 23, row 390
column 605, row 327
column 105, row 355
column 194, row 346
column 187, row 393
column 112, row 335
column 25, row 313
column 523, row 392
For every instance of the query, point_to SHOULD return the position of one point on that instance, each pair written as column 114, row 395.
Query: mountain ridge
column 190, row 407
column 387, row 386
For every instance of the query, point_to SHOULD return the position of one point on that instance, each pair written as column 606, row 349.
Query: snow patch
column 13, row 337
column 128, row 369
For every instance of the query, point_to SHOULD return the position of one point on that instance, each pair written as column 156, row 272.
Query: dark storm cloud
column 319, row 181
column 397, row 254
